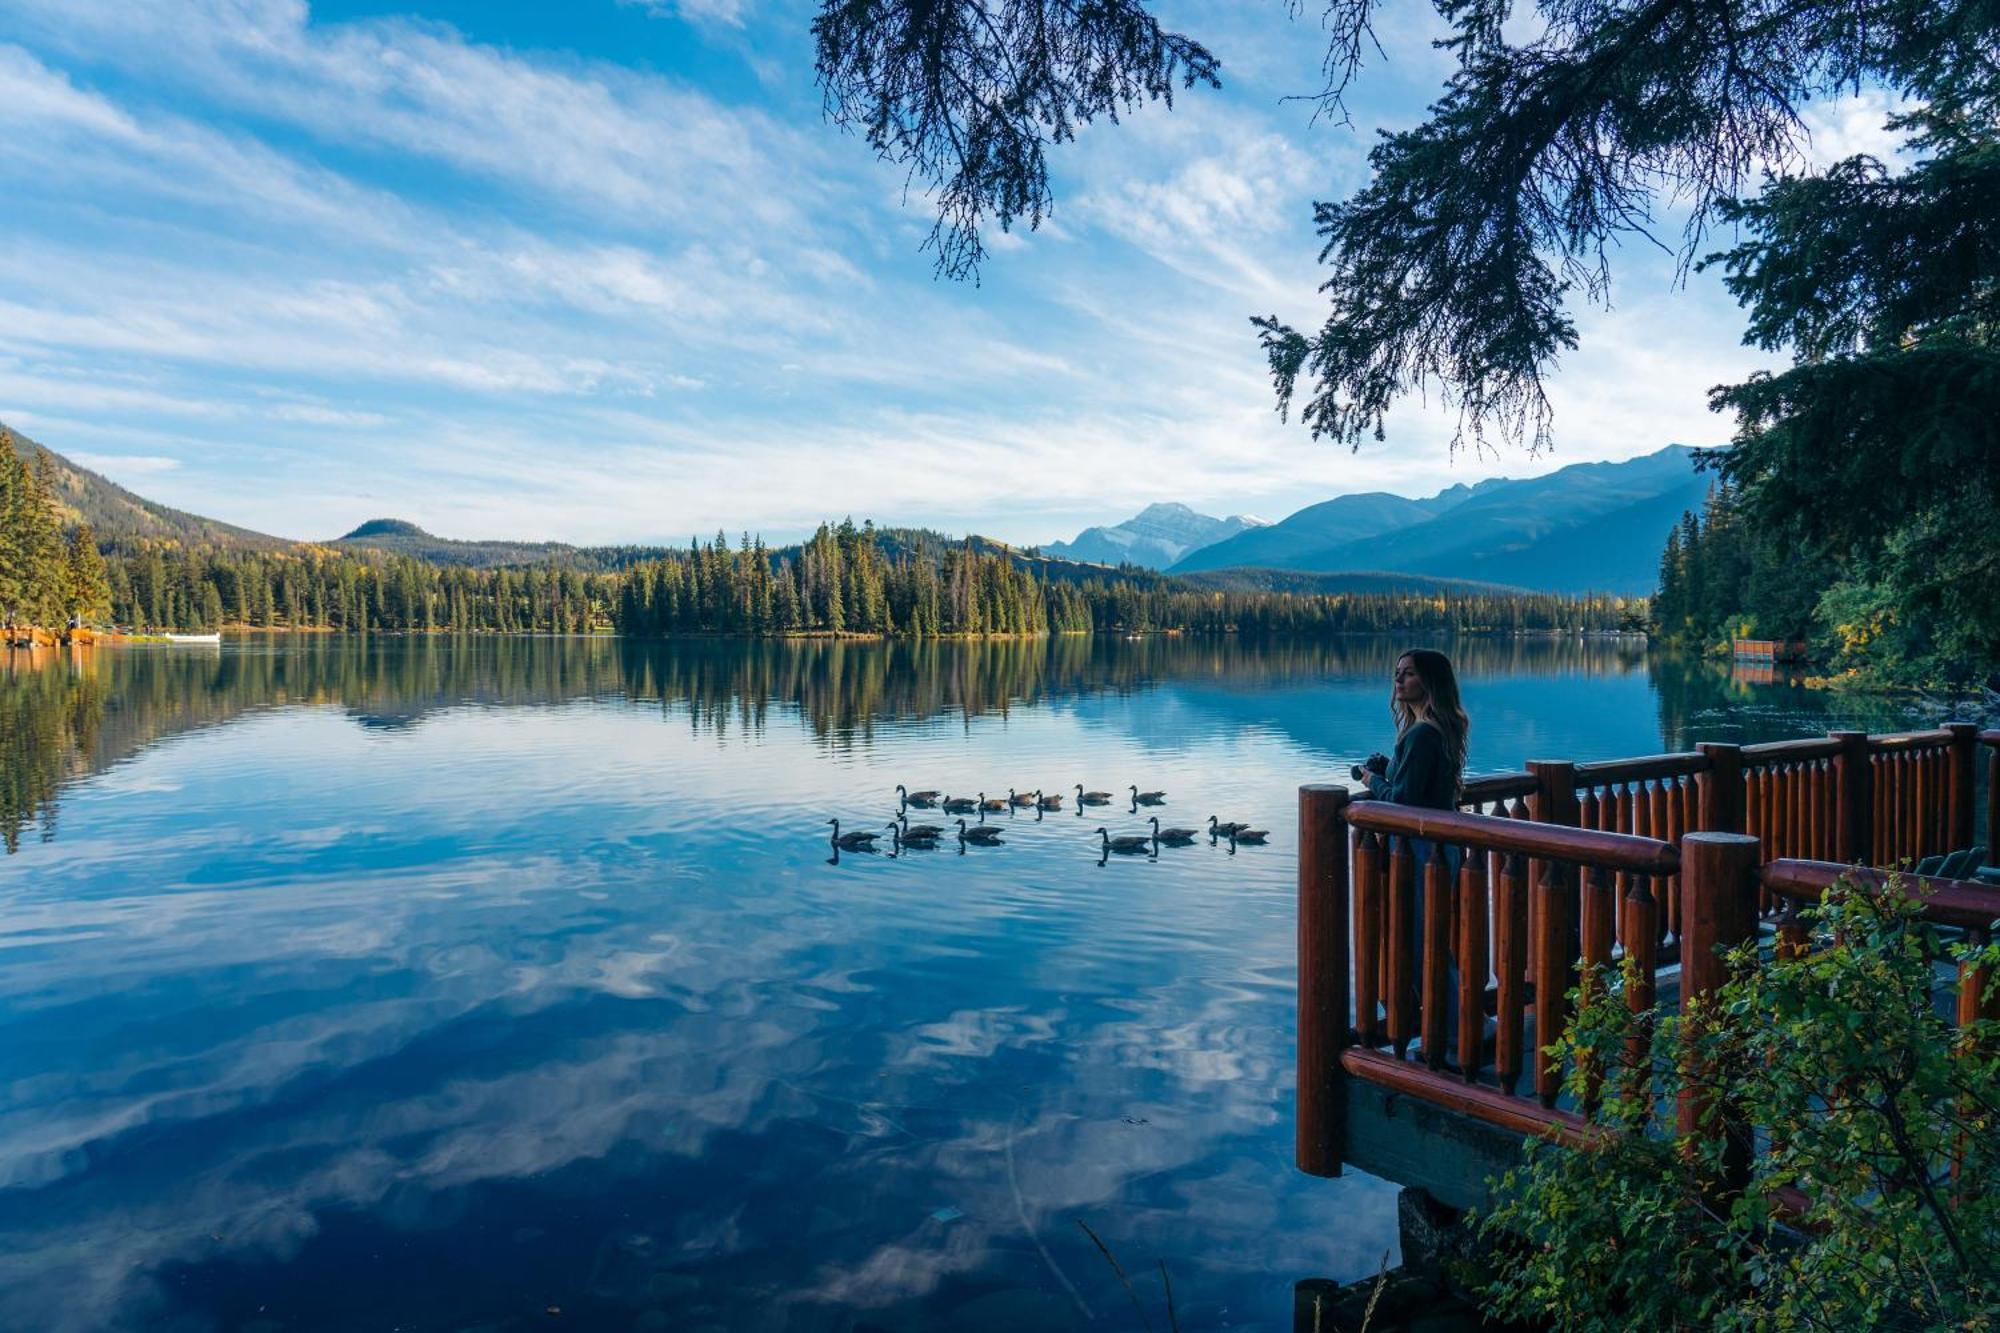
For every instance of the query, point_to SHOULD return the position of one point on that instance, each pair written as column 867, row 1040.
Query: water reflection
column 56, row 726
column 439, row 983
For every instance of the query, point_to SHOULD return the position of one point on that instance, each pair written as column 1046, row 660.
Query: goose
column 959, row 805
column 1148, row 797
column 923, row 835
column 1126, row 843
column 920, row 799
column 1091, row 797
column 910, row 833
column 984, row 834
column 854, row 842
column 1216, row 830
column 1250, row 835
column 993, row 803
column 1022, row 799
column 1177, row 836
column 1048, row 802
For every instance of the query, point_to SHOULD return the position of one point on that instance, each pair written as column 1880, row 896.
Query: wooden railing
column 1528, row 904
column 1661, row 860
column 1848, row 796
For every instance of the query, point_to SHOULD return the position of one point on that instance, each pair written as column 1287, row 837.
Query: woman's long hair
column 1441, row 708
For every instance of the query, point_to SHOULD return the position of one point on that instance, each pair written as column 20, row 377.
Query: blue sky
column 598, row 270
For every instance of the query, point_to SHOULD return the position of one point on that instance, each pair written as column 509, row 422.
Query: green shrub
column 1863, row 1094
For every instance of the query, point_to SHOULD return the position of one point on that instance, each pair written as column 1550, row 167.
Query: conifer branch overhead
column 969, row 94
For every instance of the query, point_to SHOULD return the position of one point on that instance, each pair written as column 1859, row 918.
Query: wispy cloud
column 728, row 13
column 141, row 465
column 595, row 295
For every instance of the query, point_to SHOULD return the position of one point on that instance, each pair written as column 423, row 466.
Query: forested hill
column 174, row 571
column 124, row 521
column 394, row 536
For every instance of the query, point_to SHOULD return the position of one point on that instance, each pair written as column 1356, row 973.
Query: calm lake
column 509, row 983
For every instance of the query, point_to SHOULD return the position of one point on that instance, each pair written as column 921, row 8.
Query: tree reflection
column 66, row 715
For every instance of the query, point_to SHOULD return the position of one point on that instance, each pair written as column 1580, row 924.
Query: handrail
column 1949, row 902
column 1500, row 786
column 1907, row 740
column 1640, row 768
column 1549, row 842
column 1813, row 747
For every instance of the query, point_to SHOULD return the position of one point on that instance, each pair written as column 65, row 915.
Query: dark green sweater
column 1420, row 772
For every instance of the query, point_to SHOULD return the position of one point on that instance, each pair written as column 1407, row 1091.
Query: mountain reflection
column 67, row 716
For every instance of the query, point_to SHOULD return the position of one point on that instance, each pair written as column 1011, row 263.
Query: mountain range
column 1589, row 527
column 1155, row 537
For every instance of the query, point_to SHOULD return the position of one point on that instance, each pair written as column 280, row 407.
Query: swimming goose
column 920, row 799
column 1251, row 835
column 1127, row 843
column 959, row 805
column 1022, row 799
column 1216, row 830
column 923, row 835
column 1178, row 836
column 993, row 804
column 1148, row 797
column 1091, row 797
column 911, row 832
column 983, row 834
column 1048, row 802
column 854, row 842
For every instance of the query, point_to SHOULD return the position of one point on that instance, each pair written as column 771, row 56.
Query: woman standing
column 1428, row 769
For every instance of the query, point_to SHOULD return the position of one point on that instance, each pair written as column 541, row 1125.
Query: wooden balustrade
column 1492, row 919
column 1847, row 797
column 1566, row 868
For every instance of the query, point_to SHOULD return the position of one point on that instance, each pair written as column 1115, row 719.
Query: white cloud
column 126, row 464
column 348, row 268
column 727, row 13
column 1854, row 124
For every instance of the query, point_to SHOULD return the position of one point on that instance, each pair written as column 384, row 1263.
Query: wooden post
column 1991, row 739
column 1962, row 783
column 1554, row 802
column 1368, row 892
column 1555, row 791
column 1555, row 966
column 1855, row 811
column 1510, row 961
column 1718, row 911
column 1722, row 788
column 1323, row 962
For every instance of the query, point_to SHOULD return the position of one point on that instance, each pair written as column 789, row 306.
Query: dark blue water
column 432, row 984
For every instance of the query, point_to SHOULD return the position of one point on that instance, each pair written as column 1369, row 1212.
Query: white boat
column 194, row 638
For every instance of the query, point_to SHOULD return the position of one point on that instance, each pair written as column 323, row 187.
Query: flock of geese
column 903, row 834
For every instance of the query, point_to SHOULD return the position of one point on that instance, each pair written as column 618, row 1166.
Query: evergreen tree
column 1561, row 130
column 86, row 586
